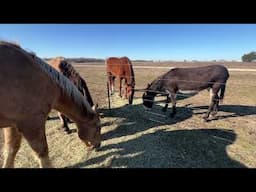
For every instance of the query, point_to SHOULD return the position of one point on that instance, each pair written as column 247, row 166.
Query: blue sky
column 137, row 41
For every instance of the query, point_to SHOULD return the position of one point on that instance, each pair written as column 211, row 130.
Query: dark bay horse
column 121, row 68
column 195, row 79
column 62, row 66
column 30, row 88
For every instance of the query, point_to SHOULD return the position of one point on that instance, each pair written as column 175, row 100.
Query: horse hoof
column 205, row 119
column 213, row 117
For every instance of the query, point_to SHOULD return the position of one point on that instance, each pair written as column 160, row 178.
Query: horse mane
column 132, row 74
column 155, row 85
column 10, row 43
column 132, row 80
column 69, row 71
column 60, row 80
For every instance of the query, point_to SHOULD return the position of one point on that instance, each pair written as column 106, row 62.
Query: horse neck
column 130, row 76
column 155, row 87
column 71, row 109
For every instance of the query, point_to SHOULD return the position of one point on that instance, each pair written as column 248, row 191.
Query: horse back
column 26, row 83
column 118, row 66
column 196, row 77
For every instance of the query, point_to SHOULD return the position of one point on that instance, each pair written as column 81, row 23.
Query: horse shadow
column 236, row 110
column 161, row 148
column 198, row 148
column 134, row 119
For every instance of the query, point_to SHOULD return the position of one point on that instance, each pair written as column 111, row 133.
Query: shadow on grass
column 199, row 148
column 136, row 119
column 237, row 110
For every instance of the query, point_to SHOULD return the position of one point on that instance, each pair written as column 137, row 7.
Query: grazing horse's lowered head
column 130, row 92
column 91, row 137
column 148, row 97
column 151, row 91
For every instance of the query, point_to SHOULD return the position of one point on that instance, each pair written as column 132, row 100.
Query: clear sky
column 137, row 41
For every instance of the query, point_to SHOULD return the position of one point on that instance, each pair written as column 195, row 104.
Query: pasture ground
column 133, row 137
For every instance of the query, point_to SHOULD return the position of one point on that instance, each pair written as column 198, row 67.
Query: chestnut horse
column 122, row 69
column 30, row 88
column 62, row 66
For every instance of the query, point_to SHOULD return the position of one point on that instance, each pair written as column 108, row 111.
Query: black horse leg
column 215, row 107
column 213, row 103
column 64, row 121
column 69, row 120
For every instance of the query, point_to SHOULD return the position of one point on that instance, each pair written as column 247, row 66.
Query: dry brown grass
column 133, row 137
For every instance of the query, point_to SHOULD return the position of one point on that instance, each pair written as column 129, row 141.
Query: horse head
column 90, row 131
column 130, row 92
column 148, row 97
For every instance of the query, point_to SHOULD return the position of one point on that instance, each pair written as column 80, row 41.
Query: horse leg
column 168, row 99
column 12, row 140
column 34, row 133
column 213, row 101
column 111, row 83
column 216, row 106
column 173, row 99
column 125, row 90
column 120, row 87
column 64, row 123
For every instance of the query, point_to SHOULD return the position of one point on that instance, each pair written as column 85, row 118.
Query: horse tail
column 222, row 92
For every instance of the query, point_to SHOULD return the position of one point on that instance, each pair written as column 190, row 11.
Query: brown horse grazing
column 194, row 79
column 30, row 88
column 61, row 65
column 122, row 69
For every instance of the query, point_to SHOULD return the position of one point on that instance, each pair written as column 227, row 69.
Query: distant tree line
column 140, row 60
column 249, row 57
column 80, row 60
column 86, row 60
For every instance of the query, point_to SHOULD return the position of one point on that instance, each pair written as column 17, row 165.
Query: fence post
column 108, row 95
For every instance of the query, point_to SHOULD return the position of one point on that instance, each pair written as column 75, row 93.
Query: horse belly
column 189, row 91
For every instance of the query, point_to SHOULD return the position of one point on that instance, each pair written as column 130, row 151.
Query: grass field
column 133, row 137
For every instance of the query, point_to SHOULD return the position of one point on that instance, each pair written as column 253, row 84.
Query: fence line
column 191, row 81
column 161, row 67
